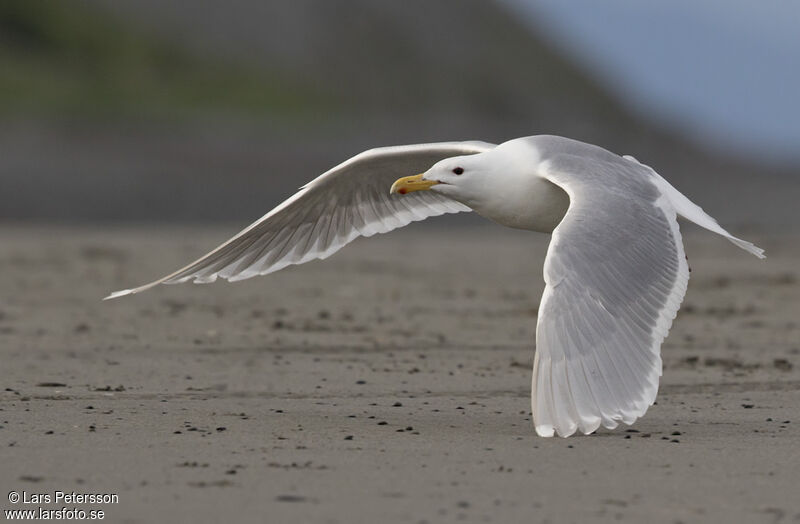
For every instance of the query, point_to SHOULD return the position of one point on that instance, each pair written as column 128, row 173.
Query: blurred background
column 149, row 111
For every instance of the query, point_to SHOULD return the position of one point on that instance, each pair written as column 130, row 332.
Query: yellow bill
column 409, row 184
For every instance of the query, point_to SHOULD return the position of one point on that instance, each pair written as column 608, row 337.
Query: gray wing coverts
column 350, row 200
column 616, row 274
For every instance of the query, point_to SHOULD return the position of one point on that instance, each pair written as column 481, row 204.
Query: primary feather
column 348, row 201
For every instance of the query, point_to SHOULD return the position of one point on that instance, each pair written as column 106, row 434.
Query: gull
column 615, row 272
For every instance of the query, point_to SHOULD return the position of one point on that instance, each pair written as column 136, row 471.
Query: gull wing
column 350, row 200
column 615, row 276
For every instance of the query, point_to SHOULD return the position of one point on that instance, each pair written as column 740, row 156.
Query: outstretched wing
column 616, row 274
column 350, row 200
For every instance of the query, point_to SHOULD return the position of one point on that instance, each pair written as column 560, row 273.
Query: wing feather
column 616, row 274
column 350, row 200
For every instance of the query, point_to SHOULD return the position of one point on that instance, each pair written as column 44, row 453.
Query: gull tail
column 691, row 211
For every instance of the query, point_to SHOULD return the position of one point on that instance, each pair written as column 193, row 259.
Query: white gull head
column 503, row 184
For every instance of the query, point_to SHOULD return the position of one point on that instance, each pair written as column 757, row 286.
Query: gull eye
column 458, row 170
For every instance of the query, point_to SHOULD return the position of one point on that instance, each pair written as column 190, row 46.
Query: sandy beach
column 389, row 383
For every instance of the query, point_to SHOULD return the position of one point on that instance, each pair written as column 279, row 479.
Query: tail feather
column 691, row 211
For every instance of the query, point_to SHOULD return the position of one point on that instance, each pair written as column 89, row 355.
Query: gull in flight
column 615, row 271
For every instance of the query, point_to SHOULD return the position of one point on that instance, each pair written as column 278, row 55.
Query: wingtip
column 117, row 294
column 544, row 430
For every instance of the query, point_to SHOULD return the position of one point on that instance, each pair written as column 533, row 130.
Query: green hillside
column 71, row 58
column 100, row 59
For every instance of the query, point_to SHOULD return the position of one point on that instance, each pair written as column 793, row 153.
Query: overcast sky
column 725, row 71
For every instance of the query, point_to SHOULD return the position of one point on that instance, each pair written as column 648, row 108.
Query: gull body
column 615, row 270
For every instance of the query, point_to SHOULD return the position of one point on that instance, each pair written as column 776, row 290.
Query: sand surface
column 389, row 383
